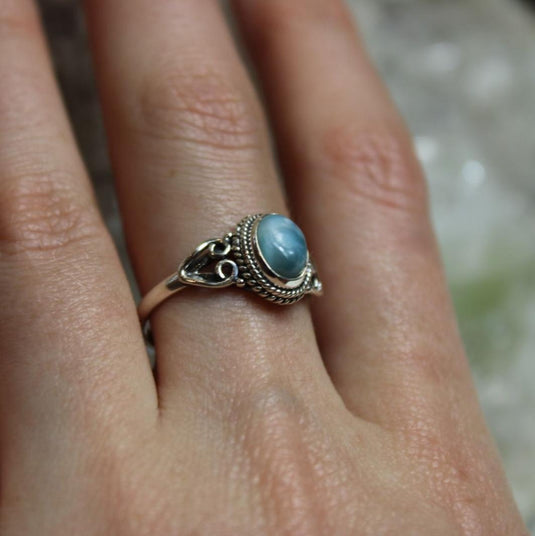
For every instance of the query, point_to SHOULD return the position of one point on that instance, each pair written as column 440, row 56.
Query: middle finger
column 192, row 157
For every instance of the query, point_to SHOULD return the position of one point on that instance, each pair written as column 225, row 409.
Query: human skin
column 350, row 414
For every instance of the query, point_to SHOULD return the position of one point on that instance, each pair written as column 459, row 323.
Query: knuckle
column 41, row 213
column 285, row 446
column 375, row 166
column 202, row 108
column 272, row 415
column 274, row 406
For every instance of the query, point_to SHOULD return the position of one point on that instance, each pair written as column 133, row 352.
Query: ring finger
column 192, row 156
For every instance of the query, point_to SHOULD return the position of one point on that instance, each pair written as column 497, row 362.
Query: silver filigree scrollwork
column 208, row 266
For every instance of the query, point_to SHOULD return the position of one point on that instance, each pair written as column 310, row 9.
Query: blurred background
column 463, row 74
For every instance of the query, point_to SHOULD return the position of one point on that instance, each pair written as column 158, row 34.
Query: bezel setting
column 256, row 274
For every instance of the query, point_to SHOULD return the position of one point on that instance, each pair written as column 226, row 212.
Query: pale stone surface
column 282, row 245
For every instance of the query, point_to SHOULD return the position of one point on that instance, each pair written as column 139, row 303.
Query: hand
column 356, row 418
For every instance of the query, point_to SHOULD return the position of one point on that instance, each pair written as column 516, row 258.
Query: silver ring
column 265, row 254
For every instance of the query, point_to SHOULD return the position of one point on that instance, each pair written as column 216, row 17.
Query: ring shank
column 163, row 290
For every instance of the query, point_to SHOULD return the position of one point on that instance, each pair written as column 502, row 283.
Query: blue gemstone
column 282, row 245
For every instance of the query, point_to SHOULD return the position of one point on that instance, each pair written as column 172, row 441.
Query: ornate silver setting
column 236, row 260
column 256, row 275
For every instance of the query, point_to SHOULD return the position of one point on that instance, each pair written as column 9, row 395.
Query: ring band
column 266, row 254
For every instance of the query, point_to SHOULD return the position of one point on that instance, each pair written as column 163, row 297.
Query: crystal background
column 463, row 74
